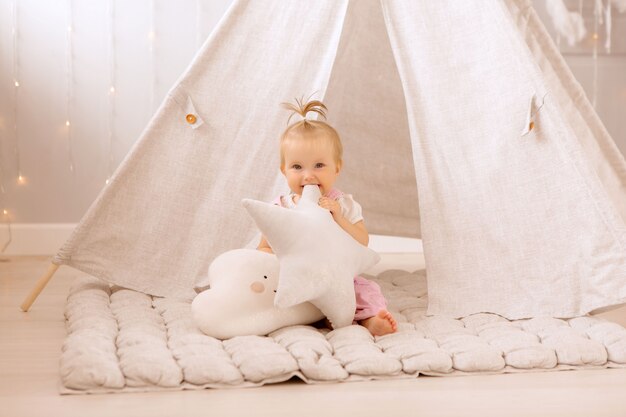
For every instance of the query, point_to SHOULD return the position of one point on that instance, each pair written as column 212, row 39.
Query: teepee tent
column 467, row 104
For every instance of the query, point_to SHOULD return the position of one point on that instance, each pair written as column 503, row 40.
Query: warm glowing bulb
column 21, row 180
column 6, row 212
column 595, row 36
column 17, row 84
column 112, row 90
column 67, row 123
column 107, row 182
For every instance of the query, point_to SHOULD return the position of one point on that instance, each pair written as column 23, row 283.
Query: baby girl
column 311, row 153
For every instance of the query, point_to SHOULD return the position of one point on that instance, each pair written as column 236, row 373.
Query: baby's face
column 309, row 163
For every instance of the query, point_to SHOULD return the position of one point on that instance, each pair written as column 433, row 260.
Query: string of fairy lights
column 6, row 214
column 602, row 16
column 112, row 58
column 152, row 46
column 69, row 62
column 20, row 178
column 199, row 38
column 597, row 14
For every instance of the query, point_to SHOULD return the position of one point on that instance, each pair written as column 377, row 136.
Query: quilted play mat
column 121, row 340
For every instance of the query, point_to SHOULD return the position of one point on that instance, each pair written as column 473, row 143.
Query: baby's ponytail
column 303, row 108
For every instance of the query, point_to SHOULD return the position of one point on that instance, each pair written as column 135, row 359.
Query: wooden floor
column 30, row 346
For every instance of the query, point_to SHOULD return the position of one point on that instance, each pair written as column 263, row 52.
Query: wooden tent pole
column 39, row 286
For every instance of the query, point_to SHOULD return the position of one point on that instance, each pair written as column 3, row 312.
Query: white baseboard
column 47, row 238
column 34, row 238
column 394, row 244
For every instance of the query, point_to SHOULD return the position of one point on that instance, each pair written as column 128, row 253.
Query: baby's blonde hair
column 309, row 130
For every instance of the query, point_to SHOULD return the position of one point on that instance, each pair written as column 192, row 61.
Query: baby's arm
column 356, row 230
column 264, row 246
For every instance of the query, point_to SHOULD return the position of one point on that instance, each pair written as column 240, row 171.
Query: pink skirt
column 369, row 299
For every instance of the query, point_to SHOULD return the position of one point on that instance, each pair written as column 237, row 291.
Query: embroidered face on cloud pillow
column 240, row 300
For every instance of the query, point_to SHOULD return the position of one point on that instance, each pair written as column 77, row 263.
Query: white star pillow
column 318, row 259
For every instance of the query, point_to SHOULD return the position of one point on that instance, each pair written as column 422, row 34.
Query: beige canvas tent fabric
column 431, row 99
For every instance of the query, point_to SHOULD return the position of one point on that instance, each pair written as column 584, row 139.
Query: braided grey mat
column 121, row 340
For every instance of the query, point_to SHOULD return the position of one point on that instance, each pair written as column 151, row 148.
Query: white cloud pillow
column 318, row 259
column 240, row 300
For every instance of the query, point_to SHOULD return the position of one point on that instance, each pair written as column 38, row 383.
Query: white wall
column 52, row 193
column 53, row 197
column 611, row 68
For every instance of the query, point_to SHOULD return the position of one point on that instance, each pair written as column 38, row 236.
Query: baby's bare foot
column 381, row 324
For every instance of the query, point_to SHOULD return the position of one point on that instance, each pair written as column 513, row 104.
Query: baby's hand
column 332, row 205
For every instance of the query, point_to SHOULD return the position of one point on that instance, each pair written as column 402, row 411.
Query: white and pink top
column 350, row 209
